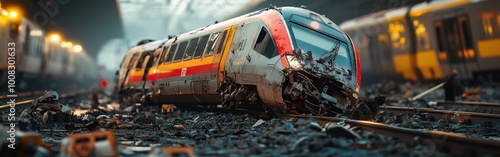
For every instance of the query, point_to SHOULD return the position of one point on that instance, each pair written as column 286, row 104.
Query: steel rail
column 457, row 116
column 445, row 141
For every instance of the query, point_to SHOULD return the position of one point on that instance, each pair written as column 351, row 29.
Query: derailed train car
column 285, row 58
column 425, row 42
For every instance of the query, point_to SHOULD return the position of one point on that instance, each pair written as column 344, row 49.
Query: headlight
column 293, row 62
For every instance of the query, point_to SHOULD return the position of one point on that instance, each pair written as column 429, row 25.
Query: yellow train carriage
column 428, row 40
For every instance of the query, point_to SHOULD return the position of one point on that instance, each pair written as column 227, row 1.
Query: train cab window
column 421, row 35
column 487, row 26
column 158, row 55
column 190, row 49
column 265, row 45
column 180, row 51
column 222, row 42
column 170, row 54
column 211, row 44
column 398, row 36
column 201, row 46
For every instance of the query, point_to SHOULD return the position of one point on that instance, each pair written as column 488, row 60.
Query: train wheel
column 266, row 108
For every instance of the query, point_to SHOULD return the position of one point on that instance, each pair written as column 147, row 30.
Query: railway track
column 457, row 116
column 28, row 97
column 449, row 142
column 469, row 105
column 472, row 106
column 455, row 143
column 23, row 95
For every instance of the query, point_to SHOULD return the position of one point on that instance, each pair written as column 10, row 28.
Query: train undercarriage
column 306, row 93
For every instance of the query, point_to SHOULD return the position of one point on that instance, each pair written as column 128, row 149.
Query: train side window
column 40, row 47
column 133, row 61
column 212, row 43
column 464, row 23
column 190, row 49
column 170, row 54
column 163, row 54
column 222, row 42
column 439, row 36
column 27, row 42
column 265, row 44
column 180, row 51
column 145, row 61
column 201, row 46
column 141, row 62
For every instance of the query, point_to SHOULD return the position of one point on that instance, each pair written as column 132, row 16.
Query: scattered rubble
column 366, row 110
column 45, row 112
column 151, row 132
column 425, row 121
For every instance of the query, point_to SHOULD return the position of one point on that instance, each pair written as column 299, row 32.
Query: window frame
column 187, row 51
column 213, row 45
column 202, row 51
column 172, row 49
column 264, row 43
column 176, row 59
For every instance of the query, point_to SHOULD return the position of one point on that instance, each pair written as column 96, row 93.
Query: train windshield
column 320, row 44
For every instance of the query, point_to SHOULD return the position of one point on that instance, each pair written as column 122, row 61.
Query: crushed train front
column 323, row 73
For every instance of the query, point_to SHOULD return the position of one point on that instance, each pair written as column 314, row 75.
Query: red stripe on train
column 280, row 34
column 199, row 69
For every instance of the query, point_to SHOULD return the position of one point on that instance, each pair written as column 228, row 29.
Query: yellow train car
column 427, row 41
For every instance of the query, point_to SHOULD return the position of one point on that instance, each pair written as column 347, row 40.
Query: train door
column 130, row 67
column 226, row 38
column 141, row 67
column 455, row 42
column 239, row 57
column 147, row 63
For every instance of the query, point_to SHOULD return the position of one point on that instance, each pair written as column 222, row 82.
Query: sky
column 157, row 19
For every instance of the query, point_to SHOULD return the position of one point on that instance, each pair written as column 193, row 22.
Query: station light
column 77, row 48
column 55, row 38
column 5, row 13
column 12, row 14
column 67, row 44
column 36, row 33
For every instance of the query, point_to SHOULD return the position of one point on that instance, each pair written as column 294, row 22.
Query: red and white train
column 286, row 58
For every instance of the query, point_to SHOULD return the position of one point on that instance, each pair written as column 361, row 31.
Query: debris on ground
column 45, row 112
column 366, row 109
column 147, row 131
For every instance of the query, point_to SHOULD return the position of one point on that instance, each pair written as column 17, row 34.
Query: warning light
column 104, row 83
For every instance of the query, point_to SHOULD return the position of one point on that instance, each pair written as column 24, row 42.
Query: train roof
column 285, row 11
column 146, row 47
column 399, row 14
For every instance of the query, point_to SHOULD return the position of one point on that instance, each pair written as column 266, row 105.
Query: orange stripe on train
column 199, row 69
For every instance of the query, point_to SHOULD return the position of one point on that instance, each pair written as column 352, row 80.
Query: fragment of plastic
column 167, row 108
column 99, row 143
column 171, row 151
column 48, row 96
